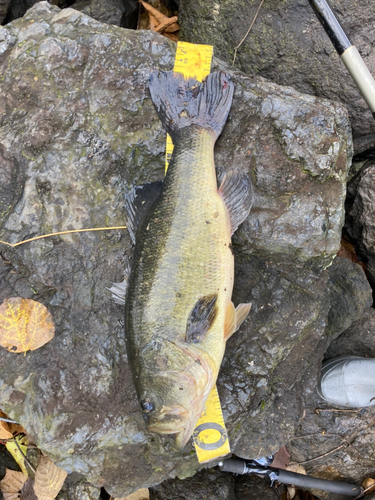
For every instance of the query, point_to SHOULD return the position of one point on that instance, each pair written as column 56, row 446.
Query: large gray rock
column 288, row 45
column 214, row 485
column 77, row 131
column 360, row 219
column 208, row 484
column 108, row 11
column 357, row 340
column 270, row 374
column 336, row 443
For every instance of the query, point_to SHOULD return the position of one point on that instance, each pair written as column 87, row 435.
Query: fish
column 178, row 308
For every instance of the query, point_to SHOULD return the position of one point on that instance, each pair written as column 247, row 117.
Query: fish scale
column 189, row 211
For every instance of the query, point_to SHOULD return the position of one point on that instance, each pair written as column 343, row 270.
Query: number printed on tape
column 210, row 435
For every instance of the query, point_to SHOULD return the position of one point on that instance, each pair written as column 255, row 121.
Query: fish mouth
column 171, row 421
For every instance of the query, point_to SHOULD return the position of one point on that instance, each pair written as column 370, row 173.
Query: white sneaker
column 348, row 381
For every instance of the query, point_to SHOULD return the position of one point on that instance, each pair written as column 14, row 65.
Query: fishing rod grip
column 347, row 51
column 232, row 465
column 339, row 487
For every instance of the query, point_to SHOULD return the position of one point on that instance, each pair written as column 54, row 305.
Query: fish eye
column 147, row 406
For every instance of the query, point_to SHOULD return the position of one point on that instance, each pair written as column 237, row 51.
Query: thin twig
column 248, row 31
column 61, row 232
column 316, row 434
column 318, row 410
column 371, row 487
column 321, row 456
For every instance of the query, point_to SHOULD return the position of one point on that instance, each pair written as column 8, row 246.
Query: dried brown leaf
column 5, row 431
column 142, row 494
column 160, row 22
column 171, row 36
column 157, row 15
column 281, row 458
column 10, row 427
column 296, row 468
column 24, row 325
column 27, row 492
column 12, row 484
column 48, row 479
column 369, row 484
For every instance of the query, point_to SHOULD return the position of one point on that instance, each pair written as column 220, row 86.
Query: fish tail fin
column 182, row 102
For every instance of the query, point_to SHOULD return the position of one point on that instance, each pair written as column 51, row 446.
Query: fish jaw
column 182, row 426
column 183, row 436
column 171, row 420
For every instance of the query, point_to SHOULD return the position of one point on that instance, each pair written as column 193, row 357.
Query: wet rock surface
column 118, row 12
column 288, row 45
column 335, row 442
column 359, row 223
column 214, row 485
column 77, row 131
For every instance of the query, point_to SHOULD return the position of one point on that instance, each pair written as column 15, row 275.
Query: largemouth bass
column 178, row 308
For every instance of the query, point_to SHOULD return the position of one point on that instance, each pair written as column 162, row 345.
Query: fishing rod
column 347, row 51
column 262, row 467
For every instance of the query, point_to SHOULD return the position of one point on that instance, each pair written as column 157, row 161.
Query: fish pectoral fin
column 242, row 310
column 118, row 290
column 237, row 193
column 230, row 321
column 138, row 203
column 234, row 317
column 201, row 318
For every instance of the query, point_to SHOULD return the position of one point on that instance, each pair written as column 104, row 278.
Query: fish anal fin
column 138, row 203
column 234, row 317
column 201, row 318
column 237, row 193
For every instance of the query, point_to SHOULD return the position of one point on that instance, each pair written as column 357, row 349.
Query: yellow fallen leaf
column 48, row 479
column 25, row 325
column 12, row 484
column 17, row 448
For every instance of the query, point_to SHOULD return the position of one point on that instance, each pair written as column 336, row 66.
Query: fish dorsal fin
column 201, row 318
column 237, row 193
column 234, row 317
column 138, row 202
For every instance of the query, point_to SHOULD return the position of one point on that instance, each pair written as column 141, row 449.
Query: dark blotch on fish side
column 201, row 319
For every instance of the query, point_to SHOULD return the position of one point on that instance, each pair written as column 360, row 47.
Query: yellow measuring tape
column 193, row 61
column 210, row 435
